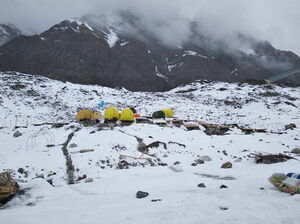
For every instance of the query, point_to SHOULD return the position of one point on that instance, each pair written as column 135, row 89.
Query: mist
column 277, row 21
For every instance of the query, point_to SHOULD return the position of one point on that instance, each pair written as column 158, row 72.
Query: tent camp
column 169, row 113
column 87, row 115
column 127, row 115
column 159, row 114
column 111, row 113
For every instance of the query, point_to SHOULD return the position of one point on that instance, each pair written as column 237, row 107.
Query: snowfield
column 115, row 170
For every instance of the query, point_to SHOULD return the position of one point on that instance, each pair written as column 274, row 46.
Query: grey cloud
column 170, row 20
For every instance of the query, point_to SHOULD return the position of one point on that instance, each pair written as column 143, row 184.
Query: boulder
column 272, row 158
column 199, row 161
column 290, row 126
column 17, row 134
column 201, row 185
column 141, row 194
column 296, row 151
column 227, row 165
column 8, row 187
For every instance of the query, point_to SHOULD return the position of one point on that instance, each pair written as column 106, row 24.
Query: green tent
column 159, row 114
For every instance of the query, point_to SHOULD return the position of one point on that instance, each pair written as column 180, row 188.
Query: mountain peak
column 8, row 32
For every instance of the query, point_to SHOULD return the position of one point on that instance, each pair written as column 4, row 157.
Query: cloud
column 277, row 21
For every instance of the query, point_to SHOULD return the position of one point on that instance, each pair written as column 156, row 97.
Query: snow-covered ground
column 28, row 101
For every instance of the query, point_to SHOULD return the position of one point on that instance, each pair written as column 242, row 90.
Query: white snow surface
column 28, row 100
column 193, row 53
column 111, row 37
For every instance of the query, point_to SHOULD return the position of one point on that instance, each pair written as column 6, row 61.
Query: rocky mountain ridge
column 78, row 52
column 8, row 32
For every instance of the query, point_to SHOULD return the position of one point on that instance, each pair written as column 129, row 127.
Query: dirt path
column 69, row 163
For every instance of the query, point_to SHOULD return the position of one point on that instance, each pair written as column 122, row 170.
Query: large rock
column 290, row 126
column 296, row 151
column 227, row 165
column 8, row 187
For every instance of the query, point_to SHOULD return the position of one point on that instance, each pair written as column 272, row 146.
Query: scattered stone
column 199, row 161
column 21, row 170
column 17, row 134
column 223, row 208
column 123, row 164
column 92, row 132
column 141, row 194
column 223, row 186
column 227, row 165
column 50, row 181
column 225, row 153
column 176, row 163
column 81, row 177
column 73, row 145
column 290, row 126
column 296, row 151
column 17, row 87
column 155, row 200
column 50, row 145
column 162, row 164
column 194, row 164
column 176, row 168
column 201, row 185
column 51, row 174
column 261, row 188
column 88, row 180
column 86, row 150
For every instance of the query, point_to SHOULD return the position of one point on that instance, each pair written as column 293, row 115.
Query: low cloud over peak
column 277, row 21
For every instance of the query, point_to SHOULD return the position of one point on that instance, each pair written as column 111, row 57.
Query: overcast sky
column 275, row 20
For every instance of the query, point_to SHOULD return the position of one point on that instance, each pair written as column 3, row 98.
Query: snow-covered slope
column 96, row 151
column 24, row 95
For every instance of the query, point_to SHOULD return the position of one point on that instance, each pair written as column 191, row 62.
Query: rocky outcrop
column 8, row 187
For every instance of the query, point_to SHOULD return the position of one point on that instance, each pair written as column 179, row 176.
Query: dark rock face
column 73, row 51
column 8, row 32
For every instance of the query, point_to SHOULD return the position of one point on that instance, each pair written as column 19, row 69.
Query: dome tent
column 168, row 112
column 127, row 115
column 87, row 115
column 111, row 113
column 159, row 114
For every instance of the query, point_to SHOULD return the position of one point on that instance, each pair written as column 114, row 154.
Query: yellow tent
column 168, row 112
column 84, row 115
column 96, row 115
column 127, row 115
column 87, row 115
column 111, row 113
